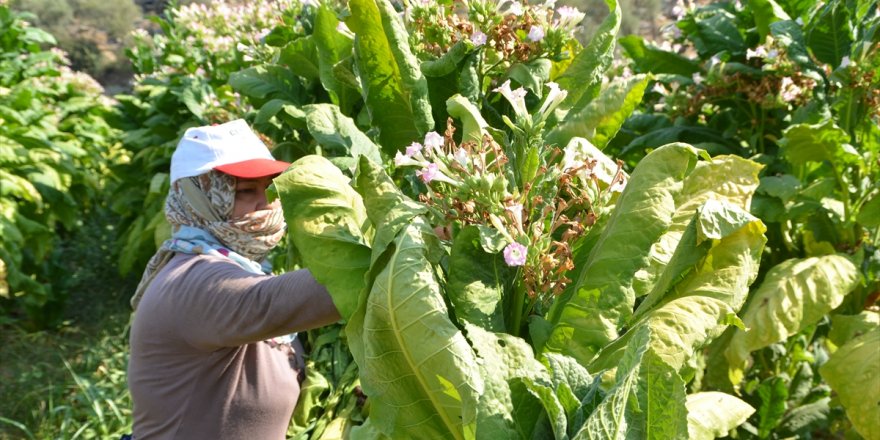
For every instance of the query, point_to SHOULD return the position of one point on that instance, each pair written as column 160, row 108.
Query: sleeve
column 222, row 305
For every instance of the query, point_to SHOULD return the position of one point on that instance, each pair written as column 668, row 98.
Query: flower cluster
column 776, row 82
column 213, row 37
column 473, row 183
column 201, row 45
column 861, row 79
column 509, row 30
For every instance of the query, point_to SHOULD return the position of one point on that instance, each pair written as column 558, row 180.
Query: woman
column 211, row 350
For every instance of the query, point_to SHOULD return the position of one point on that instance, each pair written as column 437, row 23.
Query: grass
column 66, row 384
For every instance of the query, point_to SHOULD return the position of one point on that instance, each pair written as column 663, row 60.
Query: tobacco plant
column 511, row 280
column 55, row 153
column 792, row 85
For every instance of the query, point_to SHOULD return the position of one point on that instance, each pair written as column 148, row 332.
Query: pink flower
column 554, row 97
column 342, row 28
column 413, row 148
column 403, row 160
column 434, row 141
column 517, row 98
column 461, row 156
column 428, row 173
column 569, row 17
column 759, row 52
column 536, row 33
column 515, row 8
column 515, row 254
column 789, row 90
column 478, row 38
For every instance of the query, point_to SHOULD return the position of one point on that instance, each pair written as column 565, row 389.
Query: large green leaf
column 715, row 31
column 300, row 56
column 661, row 398
column 332, row 47
column 564, row 369
column 829, row 34
column 532, row 75
column 529, row 414
column 816, row 143
column 583, row 77
column 335, row 131
column 695, row 306
column 713, row 221
column 846, row 327
column 610, row 421
column 731, row 179
column 869, row 214
column 603, row 297
column 503, row 357
column 476, row 280
column 447, row 63
column 420, row 373
column 388, row 209
column 568, row 397
column 552, row 404
column 269, row 82
column 713, row 414
column 649, row 58
column 794, row 294
column 326, row 220
column 852, row 372
column 804, row 419
column 766, row 12
column 600, row 120
column 394, row 89
column 473, row 124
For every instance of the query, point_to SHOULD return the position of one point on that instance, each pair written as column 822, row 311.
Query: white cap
column 202, row 149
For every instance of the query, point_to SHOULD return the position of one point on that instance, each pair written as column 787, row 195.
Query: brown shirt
column 198, row 366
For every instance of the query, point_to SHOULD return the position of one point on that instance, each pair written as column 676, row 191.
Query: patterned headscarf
column 199, row 209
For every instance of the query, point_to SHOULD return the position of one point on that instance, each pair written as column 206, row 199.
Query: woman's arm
column 219, row 304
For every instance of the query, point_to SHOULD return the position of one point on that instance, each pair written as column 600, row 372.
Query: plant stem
column 761, row 132
column 844, row 193
column 519, row 298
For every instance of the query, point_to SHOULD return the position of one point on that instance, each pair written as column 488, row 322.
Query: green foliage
column 792, row 85
column 393, row 86
column 622, row 318
column 331, row 401
column 89, row 31
column 712, row 414
column 55, row 153
column 69, row 383
column 852, row 372
column 439, row 318
column 403, row 329
column 794, row 295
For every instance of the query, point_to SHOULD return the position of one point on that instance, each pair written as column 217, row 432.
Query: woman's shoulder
column 186, row 267
column 202, row 262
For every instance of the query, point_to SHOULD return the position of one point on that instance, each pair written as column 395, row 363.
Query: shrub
column 90, row 32
column 55, row 153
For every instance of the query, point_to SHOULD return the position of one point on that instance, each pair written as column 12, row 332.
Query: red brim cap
column 254, row 168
